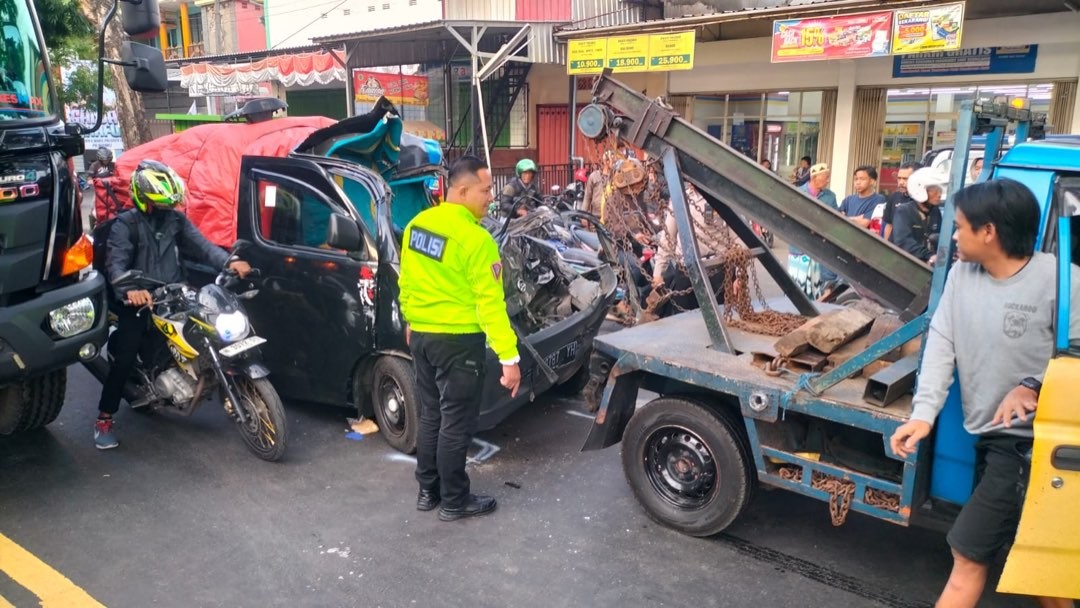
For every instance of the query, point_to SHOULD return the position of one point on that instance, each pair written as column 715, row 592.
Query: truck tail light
column 78, row 256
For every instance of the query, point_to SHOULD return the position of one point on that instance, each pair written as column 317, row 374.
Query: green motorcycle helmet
column 154, row 184
column 524, row 165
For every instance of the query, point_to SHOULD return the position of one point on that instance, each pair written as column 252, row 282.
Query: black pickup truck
column 325, row 225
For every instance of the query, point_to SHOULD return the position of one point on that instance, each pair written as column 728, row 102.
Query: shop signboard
column 928, row 29
column 671, row 51
column 983, row 60
column 640, row 53
column 586, row 56
column 844, row 37
column 399, row 88
column 627, row 53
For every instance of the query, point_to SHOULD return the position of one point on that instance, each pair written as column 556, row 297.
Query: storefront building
column 880, row 111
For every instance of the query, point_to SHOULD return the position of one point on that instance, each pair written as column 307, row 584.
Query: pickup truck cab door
column 310, row 306
column 1045, row 557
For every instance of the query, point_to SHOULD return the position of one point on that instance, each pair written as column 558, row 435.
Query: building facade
column 871, row 111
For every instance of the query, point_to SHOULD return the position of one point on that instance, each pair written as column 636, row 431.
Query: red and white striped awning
column 302, row 69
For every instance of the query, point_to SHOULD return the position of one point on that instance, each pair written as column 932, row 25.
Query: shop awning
column 424, row 128
column 436, row 42
column 301, row 69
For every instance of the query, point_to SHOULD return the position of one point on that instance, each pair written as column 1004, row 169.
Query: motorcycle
column 763, row 233
column 208, row 344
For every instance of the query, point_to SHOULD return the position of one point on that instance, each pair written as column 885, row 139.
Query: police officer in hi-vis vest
column 452, row 298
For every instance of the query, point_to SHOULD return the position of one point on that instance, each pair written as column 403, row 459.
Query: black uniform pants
column 124, row 345
column 450, row 378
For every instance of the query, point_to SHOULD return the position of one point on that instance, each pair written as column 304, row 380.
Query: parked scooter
column 208, row 344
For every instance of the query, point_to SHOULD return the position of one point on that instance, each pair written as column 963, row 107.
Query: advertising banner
column 846, row 37
column 923, row 30
column 644, row 53
column 398, row 88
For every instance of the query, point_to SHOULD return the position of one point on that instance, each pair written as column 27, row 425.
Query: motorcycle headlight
column 232, row 326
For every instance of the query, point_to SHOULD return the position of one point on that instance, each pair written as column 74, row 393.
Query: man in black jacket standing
column 149, row 238
column 897, row 198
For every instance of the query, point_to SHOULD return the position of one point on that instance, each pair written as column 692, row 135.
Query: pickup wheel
column 33, row 403
column 397, row 409
column 688, row 465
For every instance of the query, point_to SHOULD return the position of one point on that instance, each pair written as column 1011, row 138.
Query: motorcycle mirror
column 240, row 245
column 130, row 277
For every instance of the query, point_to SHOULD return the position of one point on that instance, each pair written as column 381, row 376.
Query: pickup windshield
column 24, row 78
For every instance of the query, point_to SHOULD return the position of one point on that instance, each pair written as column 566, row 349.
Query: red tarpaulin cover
column 207, row 158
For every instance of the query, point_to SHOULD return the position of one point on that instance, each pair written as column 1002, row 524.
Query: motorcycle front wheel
column 265, row 432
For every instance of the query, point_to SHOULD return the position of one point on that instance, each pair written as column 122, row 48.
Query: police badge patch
column 496, row 270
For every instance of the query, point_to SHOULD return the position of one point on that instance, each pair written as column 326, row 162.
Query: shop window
column 781, row 126
column 918, row 120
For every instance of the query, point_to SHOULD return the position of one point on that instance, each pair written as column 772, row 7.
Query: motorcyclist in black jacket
column 150, row 238
column 522, row 188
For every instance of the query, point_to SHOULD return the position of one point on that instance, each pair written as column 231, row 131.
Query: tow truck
column 727, row 419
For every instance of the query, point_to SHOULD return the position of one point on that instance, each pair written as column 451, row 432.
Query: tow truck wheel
column 397, row 409
column 33, row 403
column 688, row 465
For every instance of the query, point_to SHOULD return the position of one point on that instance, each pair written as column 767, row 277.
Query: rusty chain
column 841, row 491
column 626, row 214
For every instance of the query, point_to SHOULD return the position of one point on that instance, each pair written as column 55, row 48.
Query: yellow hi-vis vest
column 451, row 279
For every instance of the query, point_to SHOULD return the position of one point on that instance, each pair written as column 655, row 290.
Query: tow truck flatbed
column 693, row 360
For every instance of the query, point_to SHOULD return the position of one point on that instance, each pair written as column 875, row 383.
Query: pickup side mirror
column 144, row 67
column 343, row 233
column 140, row 17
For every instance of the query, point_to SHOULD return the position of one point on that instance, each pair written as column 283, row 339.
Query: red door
column 553, row 126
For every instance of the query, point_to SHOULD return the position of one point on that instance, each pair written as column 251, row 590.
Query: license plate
column 246, row 344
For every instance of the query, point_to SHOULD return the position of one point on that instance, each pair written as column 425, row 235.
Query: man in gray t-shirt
column 994, row 328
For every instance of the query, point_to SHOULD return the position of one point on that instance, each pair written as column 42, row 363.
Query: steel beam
column 710, row 310
column 876, row 267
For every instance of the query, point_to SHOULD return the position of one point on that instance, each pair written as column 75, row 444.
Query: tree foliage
column 71, row 39
column 62, row 22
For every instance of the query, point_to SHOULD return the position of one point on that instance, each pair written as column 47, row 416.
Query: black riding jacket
column 155, row 243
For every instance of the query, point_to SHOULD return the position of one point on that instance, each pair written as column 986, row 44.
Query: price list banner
column 642, row 53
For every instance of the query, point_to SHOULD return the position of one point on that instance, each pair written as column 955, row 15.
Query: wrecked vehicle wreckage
column 324, row 205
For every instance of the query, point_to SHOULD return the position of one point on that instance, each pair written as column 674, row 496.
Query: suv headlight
column 73, row 319
column 232, row 326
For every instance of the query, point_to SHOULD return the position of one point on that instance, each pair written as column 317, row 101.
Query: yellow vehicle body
column 1045, row 558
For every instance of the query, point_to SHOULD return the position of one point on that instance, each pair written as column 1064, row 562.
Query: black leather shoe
column 427, row 500
column 474, row 505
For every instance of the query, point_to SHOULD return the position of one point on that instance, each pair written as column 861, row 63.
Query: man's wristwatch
column 1032, row 383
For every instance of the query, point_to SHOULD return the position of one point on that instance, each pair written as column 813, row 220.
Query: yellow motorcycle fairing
column 172, row 332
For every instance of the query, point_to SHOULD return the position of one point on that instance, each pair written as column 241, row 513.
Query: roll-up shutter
column 828, row 126
column 867, row 126
column 1062, row 103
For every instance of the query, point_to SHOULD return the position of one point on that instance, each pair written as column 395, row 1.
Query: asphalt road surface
column 182, row 515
